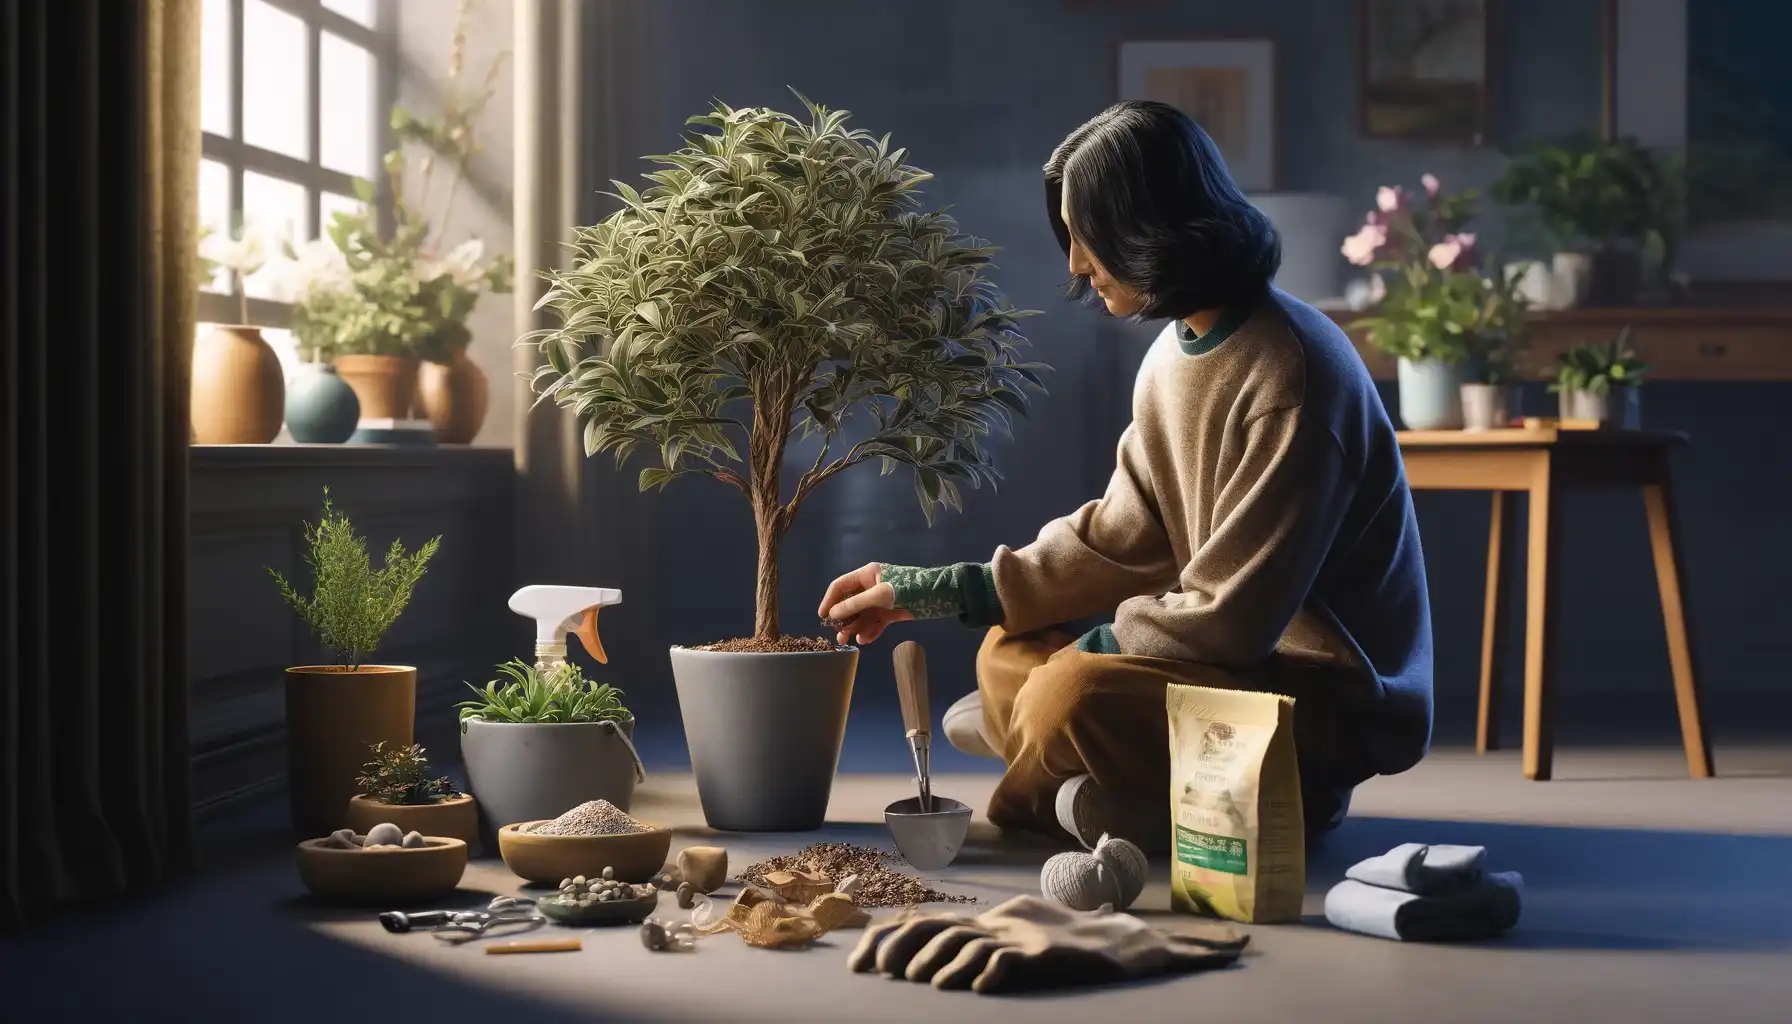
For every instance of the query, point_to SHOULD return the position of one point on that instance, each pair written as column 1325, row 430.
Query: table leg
column 1541, row 590
column 1664, row 538
column 1494, row 613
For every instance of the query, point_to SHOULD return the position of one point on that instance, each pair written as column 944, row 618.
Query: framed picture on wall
column 1424, row 69
column 1227, row 85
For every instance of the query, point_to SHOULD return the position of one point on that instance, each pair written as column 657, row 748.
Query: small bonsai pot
column 456, row 817
column 388, row 875
column 631, row 856
column 332, row 716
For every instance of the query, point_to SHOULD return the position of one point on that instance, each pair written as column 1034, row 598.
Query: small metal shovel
column 928, row 830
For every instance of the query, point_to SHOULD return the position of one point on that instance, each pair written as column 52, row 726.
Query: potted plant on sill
column 1443, row 317
column 1611, row 209
column 389, row 309
column 778, row 279
column 541, row 740
column 1598, row 383
column 396, row 787
column 238, row 389
column 335, row 712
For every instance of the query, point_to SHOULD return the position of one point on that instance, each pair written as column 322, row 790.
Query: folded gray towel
column 1416, row 893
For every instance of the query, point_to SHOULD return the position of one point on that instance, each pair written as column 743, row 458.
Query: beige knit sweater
column 1258, row 496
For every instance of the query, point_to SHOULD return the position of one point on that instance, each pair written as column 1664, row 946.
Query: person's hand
column 861, row 606
column 1031, row 943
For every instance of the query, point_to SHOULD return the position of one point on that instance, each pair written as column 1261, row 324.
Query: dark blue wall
column 980, row 93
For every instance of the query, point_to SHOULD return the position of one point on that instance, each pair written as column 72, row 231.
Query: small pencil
column 543, row 946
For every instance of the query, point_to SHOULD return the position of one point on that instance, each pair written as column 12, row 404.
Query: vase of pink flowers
column 1448, row 316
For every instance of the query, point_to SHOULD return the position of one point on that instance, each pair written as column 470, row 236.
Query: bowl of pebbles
column 595, row 840
column 385, row 866
column 604, row 899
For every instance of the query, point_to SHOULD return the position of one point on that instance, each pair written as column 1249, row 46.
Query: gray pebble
column 385, row 834
column 566, row 883
column 653, row 935
column 578, row 879
column 609, row 872
column 345, row 839
column 413, row 840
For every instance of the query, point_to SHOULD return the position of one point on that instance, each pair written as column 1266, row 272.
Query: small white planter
column 1617, row 409
column 1486, row 406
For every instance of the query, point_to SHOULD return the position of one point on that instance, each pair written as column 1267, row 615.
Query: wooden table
column 1543, row 463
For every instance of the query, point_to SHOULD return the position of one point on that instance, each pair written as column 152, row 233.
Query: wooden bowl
column 389, row 875
column 455, row 817
column 631, row 856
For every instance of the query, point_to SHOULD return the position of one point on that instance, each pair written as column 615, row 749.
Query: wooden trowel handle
column 911, row 686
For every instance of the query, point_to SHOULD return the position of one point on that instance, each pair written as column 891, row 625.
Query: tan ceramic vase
column 385, row 385
column 239, row 391
column 454, row 397
column 455, row 817
column 332, row 716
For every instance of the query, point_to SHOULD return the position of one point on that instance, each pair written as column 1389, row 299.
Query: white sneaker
column 963, row 726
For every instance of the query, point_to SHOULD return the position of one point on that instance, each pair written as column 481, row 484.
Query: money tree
column 777, row 278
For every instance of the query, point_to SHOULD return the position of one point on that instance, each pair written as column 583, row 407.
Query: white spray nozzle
column 558, row 611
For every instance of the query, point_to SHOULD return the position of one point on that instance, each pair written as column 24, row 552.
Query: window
column 293, row 96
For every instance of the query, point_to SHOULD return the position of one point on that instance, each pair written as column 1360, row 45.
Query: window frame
column 237, row 155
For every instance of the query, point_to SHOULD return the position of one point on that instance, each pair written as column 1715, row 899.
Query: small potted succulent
column 396, row 786
column 540, row 740
column 1599, row 383
column 334, row 712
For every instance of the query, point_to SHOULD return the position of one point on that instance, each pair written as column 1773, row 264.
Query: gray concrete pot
column 765, row 733
column 530, row 772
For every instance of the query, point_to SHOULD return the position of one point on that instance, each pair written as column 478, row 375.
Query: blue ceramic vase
column 320, row 406
column 1430, row 395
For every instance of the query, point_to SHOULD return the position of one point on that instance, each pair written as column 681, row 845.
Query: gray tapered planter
column 531, row 772
column 765, row 733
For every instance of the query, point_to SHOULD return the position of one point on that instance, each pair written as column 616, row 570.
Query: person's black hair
column 1151, row 199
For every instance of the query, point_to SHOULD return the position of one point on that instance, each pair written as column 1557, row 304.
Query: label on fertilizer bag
column 1216, row 853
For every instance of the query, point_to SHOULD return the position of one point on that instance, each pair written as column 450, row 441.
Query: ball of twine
column 1114, row 874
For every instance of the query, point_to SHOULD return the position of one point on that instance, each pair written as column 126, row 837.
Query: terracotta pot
column 239, row 389
column 332, row 716
column 454, row 397
column 455, row 817
column 386, row 385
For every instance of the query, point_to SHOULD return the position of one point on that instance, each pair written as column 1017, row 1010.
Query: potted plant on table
column 238, row 389
column 335, row 712
column 1443, row 315
column 390, row 308
column 1598, row 383
column 541, row 740
column 397, row 787
column 1611, row 209
column 778, row 280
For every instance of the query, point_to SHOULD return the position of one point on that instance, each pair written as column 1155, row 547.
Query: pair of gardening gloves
column 1030, row 943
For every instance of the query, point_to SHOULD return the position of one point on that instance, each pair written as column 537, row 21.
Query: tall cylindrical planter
column 239, row 391
column 385, row 385
column 332, row 716
column 531, row 771
column 764, row 732
column 1430, row 394
column 320, row 406
column 454, row 397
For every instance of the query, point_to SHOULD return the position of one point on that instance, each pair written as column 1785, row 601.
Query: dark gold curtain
column 99, row 156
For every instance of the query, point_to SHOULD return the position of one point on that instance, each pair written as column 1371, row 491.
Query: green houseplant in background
column 538, row 743
column 1599, row 382
column 397, row 785
column 1448, row 320
column 335, row 712
column 778, row 281
column 1612, row 210
column 378, row 303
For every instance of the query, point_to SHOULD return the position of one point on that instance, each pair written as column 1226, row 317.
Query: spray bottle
column 558, row 611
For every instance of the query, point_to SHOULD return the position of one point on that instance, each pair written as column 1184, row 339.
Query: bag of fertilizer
column 1239, row 848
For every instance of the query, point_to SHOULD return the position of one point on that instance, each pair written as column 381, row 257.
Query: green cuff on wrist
column 1099, row 640
column 924, row 593
column 977, row 594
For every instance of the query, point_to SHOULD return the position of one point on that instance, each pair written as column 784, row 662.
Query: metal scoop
column 928, row 830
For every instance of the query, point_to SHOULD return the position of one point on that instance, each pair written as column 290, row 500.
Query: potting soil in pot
column 592, row 818
column 879, row 886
